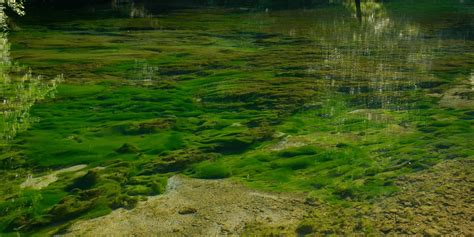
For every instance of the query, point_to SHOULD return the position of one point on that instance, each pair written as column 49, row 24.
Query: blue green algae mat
column 310, row 101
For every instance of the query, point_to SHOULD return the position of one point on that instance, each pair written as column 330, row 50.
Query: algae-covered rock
column 262, row 132
column 231, row 144
column 298, row 151
column 90, row 194
column 10, row 160
column 304, row 228
column 139, row 190
column 123, row 201
column 212, row 171
column 86, row 181
column 70, row 207
column 176, row 161
column 127, row 148
column 155, row 184
column 146, row 127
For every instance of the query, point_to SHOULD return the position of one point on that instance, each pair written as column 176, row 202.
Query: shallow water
column 314, row 101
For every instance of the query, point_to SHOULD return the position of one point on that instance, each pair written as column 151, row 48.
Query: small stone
column 386, row 228
column 187, row 211
column 393, row 210
column 431, row 232
column 304, row 229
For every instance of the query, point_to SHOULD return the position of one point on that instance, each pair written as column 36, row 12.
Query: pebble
column 187, row 211
column 393, row 210
column 431, row 232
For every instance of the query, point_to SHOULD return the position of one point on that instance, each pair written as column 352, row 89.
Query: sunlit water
column 316, row 101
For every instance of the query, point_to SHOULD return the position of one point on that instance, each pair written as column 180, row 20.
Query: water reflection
column 377, row 63
column 19, row 89
column 368, row 12
column 157, row 94
column 133, row 8
column 14, row 5
column 472, row 80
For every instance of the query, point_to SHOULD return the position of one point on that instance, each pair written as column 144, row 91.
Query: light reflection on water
column 19, row 89
column 372, row 60
column 376, row 62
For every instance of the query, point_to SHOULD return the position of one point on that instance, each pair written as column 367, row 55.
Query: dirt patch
column 198, row 207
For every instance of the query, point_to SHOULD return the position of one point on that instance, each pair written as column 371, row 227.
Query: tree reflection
column 19, row 89
column 16, row 6
column 358, row 10
column 377, row 63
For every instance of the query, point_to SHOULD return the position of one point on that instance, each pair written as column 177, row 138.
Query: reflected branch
column 19, row 89
column 358, row 10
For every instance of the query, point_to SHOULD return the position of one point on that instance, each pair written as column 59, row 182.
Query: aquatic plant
column 314, row 101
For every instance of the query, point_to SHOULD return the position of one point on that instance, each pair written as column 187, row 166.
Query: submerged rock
column 224, row 208
column 86, row 181
column 431, row 232
column 187, row 211
column 127, row 148
column 44, row 181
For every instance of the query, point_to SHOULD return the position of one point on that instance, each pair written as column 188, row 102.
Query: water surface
column 316, row 101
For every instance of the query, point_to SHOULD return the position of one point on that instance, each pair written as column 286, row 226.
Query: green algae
column 289, row 101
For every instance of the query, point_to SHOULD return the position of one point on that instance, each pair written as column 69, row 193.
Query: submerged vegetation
column 323, row 101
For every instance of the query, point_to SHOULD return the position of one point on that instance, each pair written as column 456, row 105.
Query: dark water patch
column 138, row 28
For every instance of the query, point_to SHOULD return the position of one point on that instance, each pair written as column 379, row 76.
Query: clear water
column 316, row 101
